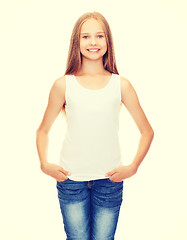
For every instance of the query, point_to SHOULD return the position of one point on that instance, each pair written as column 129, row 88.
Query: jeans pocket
column 112, row 181
column 63, row 180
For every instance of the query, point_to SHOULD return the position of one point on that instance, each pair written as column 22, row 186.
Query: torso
column 95, row 82
column 99, row 113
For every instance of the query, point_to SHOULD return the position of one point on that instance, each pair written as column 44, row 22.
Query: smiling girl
column 90, row 174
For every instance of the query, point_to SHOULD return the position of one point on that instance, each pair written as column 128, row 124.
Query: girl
column 89, row 177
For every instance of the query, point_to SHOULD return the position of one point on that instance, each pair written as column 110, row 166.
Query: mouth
column 93, row 50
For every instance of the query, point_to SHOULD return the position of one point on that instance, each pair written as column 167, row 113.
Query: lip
column 93, row 49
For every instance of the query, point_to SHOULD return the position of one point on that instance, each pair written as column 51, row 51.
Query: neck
column 91, row 67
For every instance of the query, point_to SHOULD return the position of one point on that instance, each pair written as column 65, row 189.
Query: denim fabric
column 90, row 209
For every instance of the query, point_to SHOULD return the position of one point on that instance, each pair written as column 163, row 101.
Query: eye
column 100, row 36
column 85, row 37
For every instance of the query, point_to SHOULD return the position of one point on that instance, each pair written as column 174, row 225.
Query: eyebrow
column 88, row 33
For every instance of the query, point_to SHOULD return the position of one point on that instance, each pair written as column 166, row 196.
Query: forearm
column 143, row 147
column 42, row 145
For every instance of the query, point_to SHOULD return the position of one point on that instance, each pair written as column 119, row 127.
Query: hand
column 122, row 172
column 55, row 171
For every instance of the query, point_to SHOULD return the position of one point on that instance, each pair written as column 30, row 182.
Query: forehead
column 91, row 25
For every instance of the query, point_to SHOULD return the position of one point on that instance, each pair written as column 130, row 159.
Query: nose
column 93, row 42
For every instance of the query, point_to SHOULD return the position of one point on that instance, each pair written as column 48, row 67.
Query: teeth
column 93, row 50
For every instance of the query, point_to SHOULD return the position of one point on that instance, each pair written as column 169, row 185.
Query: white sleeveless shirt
column 91, row 146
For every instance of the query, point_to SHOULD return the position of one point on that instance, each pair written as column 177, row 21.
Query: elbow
column 151, row 134
column 151, row 131
column 41, row 131
column 37, row 131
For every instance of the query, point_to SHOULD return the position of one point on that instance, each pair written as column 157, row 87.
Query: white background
column 150, row 45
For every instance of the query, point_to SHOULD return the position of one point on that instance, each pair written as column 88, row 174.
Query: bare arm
column 130, row 100
column 55, row 103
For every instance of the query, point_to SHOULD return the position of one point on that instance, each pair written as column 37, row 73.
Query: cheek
column 82, row 45
column 104, row 45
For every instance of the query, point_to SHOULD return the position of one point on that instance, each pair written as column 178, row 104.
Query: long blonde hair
column 74, row 59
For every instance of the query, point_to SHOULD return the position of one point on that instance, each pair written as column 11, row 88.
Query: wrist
column 43, row 164
column 134, row 167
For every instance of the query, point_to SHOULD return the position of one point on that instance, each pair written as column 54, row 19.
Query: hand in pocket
column 55, row 171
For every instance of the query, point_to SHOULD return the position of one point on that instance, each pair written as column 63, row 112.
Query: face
column 92, row 40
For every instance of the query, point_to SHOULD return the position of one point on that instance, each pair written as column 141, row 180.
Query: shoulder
column 124, row 81
column 127, row 90
column 125, row 84
column 60, row 82
column 59, row 86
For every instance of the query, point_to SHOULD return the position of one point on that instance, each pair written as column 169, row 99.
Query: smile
column 93, row 50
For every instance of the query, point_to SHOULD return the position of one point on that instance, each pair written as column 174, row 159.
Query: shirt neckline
column 94, row 90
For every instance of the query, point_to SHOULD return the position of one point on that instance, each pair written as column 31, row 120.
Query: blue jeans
column 90, row 209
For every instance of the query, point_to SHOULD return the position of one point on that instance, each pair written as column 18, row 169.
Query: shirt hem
column 86, row 178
